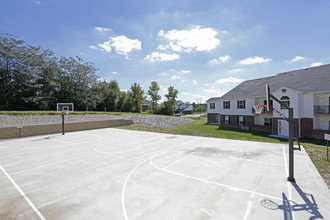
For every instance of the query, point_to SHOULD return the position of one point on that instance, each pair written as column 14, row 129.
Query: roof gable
column 309, row 80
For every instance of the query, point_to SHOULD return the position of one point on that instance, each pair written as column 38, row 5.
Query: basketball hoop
column 258, row 108
column 66, row 111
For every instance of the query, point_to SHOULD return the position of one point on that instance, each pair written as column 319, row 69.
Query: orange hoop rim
column 265, row 106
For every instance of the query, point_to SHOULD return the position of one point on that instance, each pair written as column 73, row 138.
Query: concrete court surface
column 121, row 174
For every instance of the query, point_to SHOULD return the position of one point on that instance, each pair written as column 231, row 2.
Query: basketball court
column 121, row 174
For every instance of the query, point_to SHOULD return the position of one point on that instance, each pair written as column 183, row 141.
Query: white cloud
column 185, row 71
column 235, row 70
column 214, row 92
column 106, row 46
column 102, row 29
column 93, row 47
column 162, row 47
column 220, row 59
column 124, row 45
column 254, row 60
column 297, row 58
column 229, row 80
column 194, row 82
column 121, row 44
column 224, row 59
column 157, row 56
column 213, row 61
column 316, row 64
column 115, row 73
column 197, row 38
column 174, row 77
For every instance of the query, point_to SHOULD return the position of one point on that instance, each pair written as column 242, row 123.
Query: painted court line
column 23, row 194
column 288, row 185
column 50, row 164
column 233, row 188
column 125, row 183
column 175, row 162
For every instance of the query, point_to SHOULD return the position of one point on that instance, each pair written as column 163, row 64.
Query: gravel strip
column 25, row 120
column 149, row 120
column 157, row 121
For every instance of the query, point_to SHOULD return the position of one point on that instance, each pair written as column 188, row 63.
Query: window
column 329, row 125
column 240, row 104
column 212, row 105
column 271, row 103
column 241, row 120
column 286, row 101
column 227, row 120
column 268, row 121
column 226, row 104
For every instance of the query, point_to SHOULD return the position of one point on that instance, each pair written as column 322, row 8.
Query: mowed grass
column 315, row 148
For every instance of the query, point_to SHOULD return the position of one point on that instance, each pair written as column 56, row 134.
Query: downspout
column 299, row 128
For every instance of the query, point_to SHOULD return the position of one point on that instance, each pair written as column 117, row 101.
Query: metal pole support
column 63, row 123
column 327, row 150
column 291, row 157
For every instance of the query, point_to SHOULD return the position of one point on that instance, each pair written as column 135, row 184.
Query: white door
column 283, row 128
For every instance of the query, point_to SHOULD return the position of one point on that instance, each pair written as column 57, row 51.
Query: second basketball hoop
column 258, row 108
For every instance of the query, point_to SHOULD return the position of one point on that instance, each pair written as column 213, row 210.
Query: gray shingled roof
column 314, row 79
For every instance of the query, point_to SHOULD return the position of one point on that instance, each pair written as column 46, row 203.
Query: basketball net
column 258, row 108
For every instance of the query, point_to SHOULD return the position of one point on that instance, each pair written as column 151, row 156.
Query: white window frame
column 240, row 104
column 212, row 105
column 286, row 101
column 241, row 120
column 269, row 123
column 226, row 104
column 227, row 120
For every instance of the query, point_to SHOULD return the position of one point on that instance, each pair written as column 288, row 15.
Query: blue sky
column 203, row 48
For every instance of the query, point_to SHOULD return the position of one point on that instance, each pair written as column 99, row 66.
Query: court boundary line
column 233, row 188
column 288, row 185
column 50, row 164
column 123, row 191
column 35, row 209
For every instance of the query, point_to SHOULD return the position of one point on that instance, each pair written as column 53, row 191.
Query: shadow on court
column 309, row 205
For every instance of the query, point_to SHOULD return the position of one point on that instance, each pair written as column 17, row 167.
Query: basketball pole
column 291, row 156
column 63, row 123
column 291, row 131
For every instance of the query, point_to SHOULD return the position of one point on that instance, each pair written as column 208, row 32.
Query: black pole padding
column 63, row 123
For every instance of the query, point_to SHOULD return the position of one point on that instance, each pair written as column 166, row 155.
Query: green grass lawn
column 315, row 148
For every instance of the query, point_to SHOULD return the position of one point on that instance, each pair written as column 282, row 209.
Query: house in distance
column 307, row 91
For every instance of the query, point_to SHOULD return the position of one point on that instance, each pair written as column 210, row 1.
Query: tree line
column 32, row 78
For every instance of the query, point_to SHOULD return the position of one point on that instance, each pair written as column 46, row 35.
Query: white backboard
column 65, row 107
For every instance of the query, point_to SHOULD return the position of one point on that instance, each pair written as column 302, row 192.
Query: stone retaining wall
column 31, row 130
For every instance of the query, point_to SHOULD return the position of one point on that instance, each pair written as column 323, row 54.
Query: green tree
column 24, row 75
column 168, row 107
column 112, row 96
column 75, row 83
column 127, row 103
column 153, row 93
column 137, row 96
